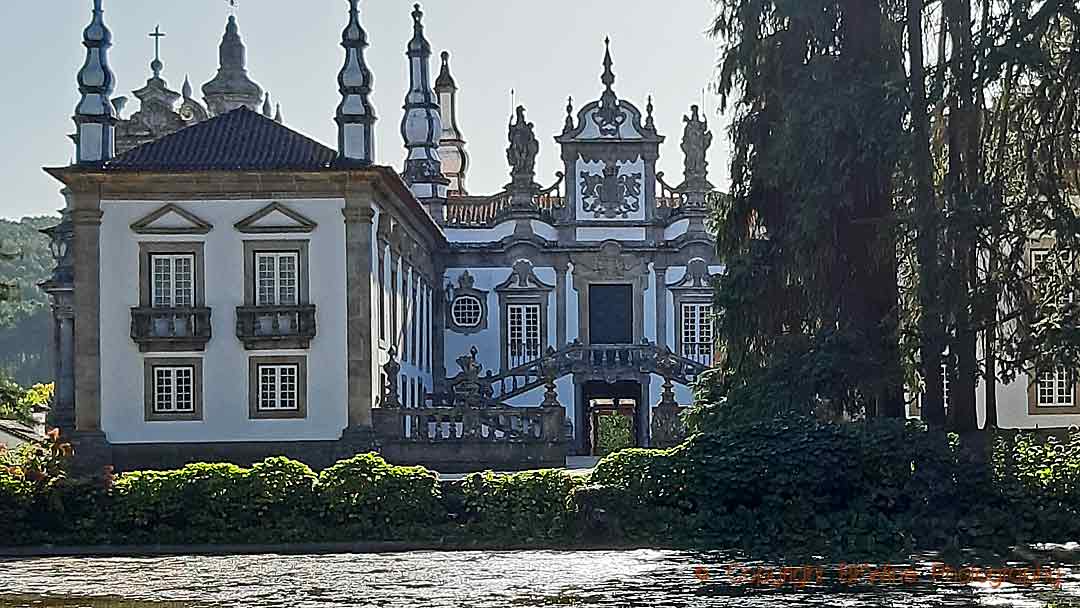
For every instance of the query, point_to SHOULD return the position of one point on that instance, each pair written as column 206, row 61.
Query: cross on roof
column 157, row 35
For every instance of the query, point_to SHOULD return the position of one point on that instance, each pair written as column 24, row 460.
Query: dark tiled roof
column 241, row 140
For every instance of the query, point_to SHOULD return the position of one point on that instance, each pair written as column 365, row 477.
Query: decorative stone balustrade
column 170, row 329
column 272, row 327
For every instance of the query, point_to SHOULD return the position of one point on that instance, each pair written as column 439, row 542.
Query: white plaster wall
column 480, row 235
column 225, row 362
column 610, row 233
column 676, row 230
column 1012, row 408
column 544, row 230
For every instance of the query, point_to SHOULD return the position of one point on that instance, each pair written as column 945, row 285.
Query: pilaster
column 86, row 217
column 359, row 219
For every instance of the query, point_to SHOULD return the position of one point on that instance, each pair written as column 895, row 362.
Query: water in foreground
column 518, row 578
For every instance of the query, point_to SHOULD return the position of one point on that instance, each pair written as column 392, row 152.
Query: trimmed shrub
column 519, row 508
column 374, row 500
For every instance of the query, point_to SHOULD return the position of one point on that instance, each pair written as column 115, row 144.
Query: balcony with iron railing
column 275, row 327
column 170, row 329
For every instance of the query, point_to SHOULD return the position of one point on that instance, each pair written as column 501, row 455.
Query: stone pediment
column 523, row 278
column 171, row 219
column 275, row 218
column 697, row 277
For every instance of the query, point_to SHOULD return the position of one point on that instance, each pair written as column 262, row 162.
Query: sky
column 543, row 50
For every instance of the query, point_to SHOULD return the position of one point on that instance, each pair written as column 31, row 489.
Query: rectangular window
column 523, row 333
column 1055, row 388
column 277, row 278
column 172, row 280
column 174, row 390
column 697, row 332
column 279, row 387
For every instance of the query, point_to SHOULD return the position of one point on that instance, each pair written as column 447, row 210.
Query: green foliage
column 614, row 432
column 520, row 508
column 19, row 404
column 24, row 319
column 367, row 496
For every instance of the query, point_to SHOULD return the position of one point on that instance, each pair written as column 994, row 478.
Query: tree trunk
column 931, row 324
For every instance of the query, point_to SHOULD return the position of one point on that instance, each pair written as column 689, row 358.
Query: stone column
column 560, row 304
column 86, row 217
column 63, row 411
column 359, row 218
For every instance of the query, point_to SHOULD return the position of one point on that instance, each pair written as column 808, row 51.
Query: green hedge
column 796, row 487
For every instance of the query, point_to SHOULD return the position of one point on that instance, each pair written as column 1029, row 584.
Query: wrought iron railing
column 170, row 329
column 276, row 326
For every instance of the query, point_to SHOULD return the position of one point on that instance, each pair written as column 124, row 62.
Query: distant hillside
column 25, row 322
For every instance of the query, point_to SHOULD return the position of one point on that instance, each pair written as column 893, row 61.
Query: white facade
column 225, row 361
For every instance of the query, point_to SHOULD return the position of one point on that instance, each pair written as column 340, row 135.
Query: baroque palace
column 228, row 288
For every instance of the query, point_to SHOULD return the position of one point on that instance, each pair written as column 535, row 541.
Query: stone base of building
column 467, row 457
column 163, row 456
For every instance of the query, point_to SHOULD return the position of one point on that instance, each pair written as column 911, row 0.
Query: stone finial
column 421, row 126
column 355, row 114
column 277, row 115
column 267, row 108
column 452, row 153
column 231, row 88
column 95, row 116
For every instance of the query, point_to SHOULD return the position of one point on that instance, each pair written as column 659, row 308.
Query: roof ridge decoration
column 251, row 223
column 232, row 87
column 355, row 114
column 421, row 126
column 145, row 225
column 95, row 115
column 609, row 119
column 452, row 153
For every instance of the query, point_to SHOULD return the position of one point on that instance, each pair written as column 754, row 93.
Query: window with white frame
column 697, row 332
column 174, row 389
column 1055, row 388
column 172, row 280
column 279, row 387
column 277, row 278
column 523, row 333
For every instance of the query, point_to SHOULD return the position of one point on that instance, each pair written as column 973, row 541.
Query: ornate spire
column 355, row 114
column 608, row 78
column 267, row 108
column 649, row 122
column 186, row 89
column 569, row 126
column 232, row 88
column 421, row 126
column 455, row 160
column 277, row 115
column 608, row 117
column 95, row 116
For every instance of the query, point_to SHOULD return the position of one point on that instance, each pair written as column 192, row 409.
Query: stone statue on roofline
column 695, row 146
column 524, row 147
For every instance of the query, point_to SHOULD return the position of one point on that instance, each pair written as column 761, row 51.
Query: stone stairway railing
column 602, row 361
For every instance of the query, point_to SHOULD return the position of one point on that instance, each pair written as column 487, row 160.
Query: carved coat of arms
column 611, row 194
